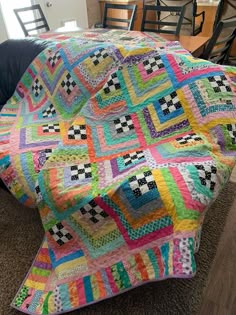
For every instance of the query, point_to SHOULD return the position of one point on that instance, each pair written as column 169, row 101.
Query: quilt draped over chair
column 122, row 147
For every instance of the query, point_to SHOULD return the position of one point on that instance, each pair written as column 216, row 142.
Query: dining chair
column 38, row 22
column 226, row 9
column 192, row 22
column 119, row 16
column 151, row 18
column 218, row 47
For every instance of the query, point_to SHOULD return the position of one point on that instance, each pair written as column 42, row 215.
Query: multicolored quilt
column 122, row 143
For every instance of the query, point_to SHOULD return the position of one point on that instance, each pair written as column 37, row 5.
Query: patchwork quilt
column 122, row 142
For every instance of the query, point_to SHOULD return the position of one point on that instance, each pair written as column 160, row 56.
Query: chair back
column 219, row 47
column 151, row 21
column 125, row 16
column 38, row 23
column 190, row 26
column 226, row 9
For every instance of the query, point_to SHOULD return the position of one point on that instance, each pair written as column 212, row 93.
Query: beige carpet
column 21, row 235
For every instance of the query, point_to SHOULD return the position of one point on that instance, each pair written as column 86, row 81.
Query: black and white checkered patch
column 48, row 153
column 207, row 175
column 54, row 59
column 152, row 64
column 186, row 257
column 49, row 111
column 37, row 87
column 51, row 128
column 232, row 132
column 170, row 103
column 39, row 196
column 142, row 183
column 133, row 157
column 68, row 84
column 93, row 212
column 60, row 234
column 219, row 83
column 192, row 137
column 112, row 84
column 98, row 56
column 81, row 172
column 77, row 132
column 123, row 124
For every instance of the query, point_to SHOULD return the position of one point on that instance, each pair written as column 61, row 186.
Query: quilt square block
column 77, row 132
column 60, row 234
column 142, row 183
column 232, row 132
column 170, row 103
column 117, row 135
column 37, row 87
column 51, row 128
column 152, row 64
column 219, row 83
column 53, row 60
column 112, row 84
column 123, row 124
column 207, row 175
column 81, row 172
column 98, row 56
column 68, row 84
column 188, row 139
column 93, row 212
column 133, row 157
column 139, row 218
column 49, row 112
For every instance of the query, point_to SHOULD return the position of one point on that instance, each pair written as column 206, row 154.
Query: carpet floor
column 22, row 233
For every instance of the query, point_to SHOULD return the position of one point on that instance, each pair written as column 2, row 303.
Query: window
column 12, row 25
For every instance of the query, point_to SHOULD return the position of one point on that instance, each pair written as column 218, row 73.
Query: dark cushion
column 15, row 57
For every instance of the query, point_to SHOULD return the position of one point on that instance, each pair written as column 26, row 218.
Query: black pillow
column 15, row 57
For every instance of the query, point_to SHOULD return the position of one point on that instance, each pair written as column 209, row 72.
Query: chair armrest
column 201, row 13
column 202, row 21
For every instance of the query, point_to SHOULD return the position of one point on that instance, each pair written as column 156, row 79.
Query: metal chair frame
column 130, row 21
column 223, row 45
column 187, row 21
column 42, row 20
column 179, row 11
column 223, row 4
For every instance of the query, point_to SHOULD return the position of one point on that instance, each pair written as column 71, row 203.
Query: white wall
column 65, row 10
column 85, row 12
column 3, row 31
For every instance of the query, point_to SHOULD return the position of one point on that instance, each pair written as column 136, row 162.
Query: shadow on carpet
column 22, row 233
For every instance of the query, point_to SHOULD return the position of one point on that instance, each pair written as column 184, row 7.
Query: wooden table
column 194, row 44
